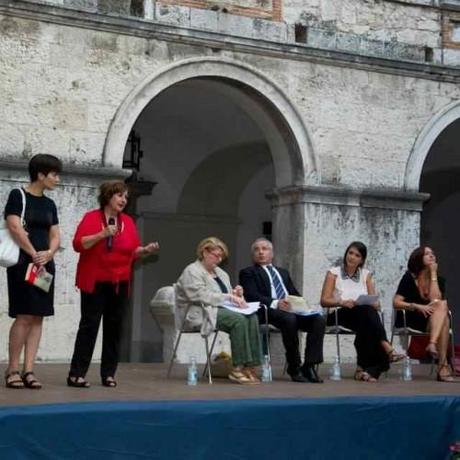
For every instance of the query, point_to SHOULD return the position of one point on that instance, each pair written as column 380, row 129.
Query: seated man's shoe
column 297, row 376
column 310, row 374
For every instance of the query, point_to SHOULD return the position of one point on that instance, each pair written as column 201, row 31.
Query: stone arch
column 424, row 142
column 294, row 158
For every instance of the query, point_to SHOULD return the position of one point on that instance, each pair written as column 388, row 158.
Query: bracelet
column 434, row 279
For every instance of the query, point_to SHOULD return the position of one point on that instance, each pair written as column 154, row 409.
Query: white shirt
column 274, row 303
column 348, row 288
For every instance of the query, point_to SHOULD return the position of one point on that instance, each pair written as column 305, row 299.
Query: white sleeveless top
column 350, row 288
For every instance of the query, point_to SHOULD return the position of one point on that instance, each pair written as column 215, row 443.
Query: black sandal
column 109, row 382
column 16, row 384
column 31, row 383
column 77, row 382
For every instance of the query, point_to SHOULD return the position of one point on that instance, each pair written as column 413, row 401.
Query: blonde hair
column 210, row 243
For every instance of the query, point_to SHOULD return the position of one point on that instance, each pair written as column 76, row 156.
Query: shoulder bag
column 9, row 249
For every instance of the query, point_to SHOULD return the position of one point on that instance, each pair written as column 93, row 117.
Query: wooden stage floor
column 147, row 382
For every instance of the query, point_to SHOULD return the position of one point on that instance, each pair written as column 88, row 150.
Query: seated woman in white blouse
column 342, row 286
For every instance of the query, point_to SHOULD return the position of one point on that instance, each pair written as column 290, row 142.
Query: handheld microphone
column 109, row 241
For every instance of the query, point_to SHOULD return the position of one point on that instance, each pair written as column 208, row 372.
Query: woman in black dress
column 39, row 240
column 421, row 293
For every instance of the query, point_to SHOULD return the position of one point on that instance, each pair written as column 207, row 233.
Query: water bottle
column 192, row 372
column 407, row 370
column 335, row 370
column 266, row 370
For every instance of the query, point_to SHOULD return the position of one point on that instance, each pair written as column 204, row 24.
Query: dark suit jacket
column 256, row 284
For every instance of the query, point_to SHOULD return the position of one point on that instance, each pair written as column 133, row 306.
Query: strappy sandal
column 447, row 378
column 30, row 381
column 109, row 382
column 77, row 382
column 239, row 377
column 251, row 375
column 432, row 350
column 16, row 384
column 363, row 376
column 394, row 357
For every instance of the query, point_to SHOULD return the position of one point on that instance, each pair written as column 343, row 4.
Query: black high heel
column 77, row 382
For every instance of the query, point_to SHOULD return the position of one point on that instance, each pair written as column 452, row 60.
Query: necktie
column 280, row 294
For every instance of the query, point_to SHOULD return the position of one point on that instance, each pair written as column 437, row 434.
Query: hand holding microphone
column 110, row 231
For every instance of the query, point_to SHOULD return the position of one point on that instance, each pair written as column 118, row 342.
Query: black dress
column 40, row 215
column 408, row 290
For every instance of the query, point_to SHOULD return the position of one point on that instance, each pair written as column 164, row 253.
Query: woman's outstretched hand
column 150, row 248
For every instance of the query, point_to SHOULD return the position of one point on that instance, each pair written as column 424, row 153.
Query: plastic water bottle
column 192, row 372
column 266, row 370
column 407, row 370
column 335, row 373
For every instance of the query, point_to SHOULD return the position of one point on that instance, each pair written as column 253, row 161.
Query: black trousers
column 107, row 302
column 289, row 324
column 365, row 321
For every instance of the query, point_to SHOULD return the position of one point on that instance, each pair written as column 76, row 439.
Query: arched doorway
column 440, row 219
column 214, row 145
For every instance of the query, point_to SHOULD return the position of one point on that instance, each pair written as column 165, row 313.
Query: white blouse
column 349, row 288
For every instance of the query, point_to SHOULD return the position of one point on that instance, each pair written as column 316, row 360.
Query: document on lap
column 299, row 306
column 366, row 299
column 252, row 307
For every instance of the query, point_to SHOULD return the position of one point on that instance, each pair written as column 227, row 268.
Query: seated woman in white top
column 342, row 286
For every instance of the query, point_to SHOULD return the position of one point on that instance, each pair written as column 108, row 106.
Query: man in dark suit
column 270, row 285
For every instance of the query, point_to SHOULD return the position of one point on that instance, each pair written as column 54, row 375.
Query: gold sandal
column 251, row 375
column 238, row 376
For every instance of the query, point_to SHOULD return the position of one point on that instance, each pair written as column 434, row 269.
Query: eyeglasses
column 217, row 254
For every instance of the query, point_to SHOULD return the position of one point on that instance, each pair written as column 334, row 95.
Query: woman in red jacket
column 108, row 243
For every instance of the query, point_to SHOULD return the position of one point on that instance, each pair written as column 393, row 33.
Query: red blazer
column 98, row 263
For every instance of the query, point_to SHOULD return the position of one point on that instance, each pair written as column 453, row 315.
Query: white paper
column 307, row 313
column 366, row 299
column 252, row 307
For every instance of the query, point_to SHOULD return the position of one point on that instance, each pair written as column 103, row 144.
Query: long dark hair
column 360, row 247
column 415, row 264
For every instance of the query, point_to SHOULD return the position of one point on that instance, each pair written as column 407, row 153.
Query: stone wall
column 61, row 86
column 420, row 31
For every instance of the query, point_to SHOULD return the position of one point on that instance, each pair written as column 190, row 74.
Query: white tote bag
column 9, row 250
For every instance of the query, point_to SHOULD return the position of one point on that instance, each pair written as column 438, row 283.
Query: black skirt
column 25, row 299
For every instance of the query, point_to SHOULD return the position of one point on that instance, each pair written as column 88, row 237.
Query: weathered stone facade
column 340, row 94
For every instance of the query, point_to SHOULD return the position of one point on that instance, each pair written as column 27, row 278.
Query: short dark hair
column 415, row 264
column 108, row 189
column 360, row 247
column 43, row 163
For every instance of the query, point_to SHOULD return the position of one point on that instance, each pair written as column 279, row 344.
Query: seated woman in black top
column 421, row 293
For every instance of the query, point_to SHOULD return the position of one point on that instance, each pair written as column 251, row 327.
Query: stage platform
column 148, row 416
